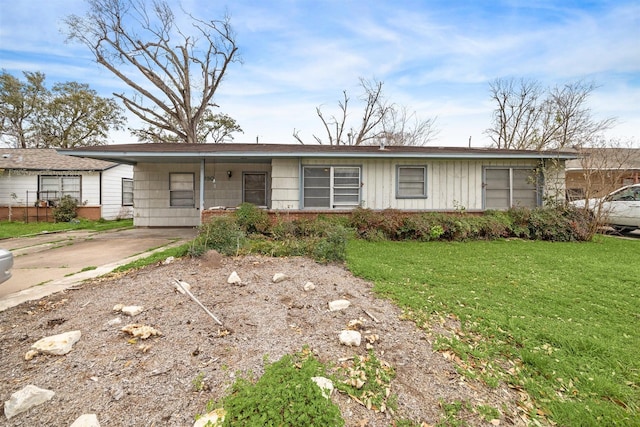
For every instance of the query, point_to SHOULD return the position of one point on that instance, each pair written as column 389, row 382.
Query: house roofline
column 134, row 153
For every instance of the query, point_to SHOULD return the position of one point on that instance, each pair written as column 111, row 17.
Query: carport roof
column 176, row 152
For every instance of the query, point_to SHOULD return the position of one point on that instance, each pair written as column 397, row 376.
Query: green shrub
column 222, row 234
column 333, row 246
column 285, row 395
column 252, row 219
column 66, row 209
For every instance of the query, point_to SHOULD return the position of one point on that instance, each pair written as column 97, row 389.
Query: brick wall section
column 33, row 214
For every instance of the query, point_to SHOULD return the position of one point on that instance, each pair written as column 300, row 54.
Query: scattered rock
column 169, row 260
column 86, row 420
column 30, row 354
column 355, row 325
column 25, row 399
column 132, row 310
column 350, row 338
column 211, row 419
column 115, row 321
column 140, row 331
column 279, row 277
column 234, row 279
column 325, row 384
column 339, row 304
column 309, row 286
column 118, row 307
column 57, row 344
column 183, row 285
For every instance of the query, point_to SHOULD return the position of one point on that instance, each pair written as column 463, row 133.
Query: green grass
column 19, row 229
column 176, row 251
column 559, row 320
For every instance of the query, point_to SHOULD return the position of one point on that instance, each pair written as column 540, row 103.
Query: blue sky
column 435, row 57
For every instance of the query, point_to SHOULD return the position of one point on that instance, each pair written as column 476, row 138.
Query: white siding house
column 33, row 180
column 175, row 183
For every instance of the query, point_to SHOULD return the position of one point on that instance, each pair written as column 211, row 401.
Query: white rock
column 141, row 331
column 57, row 344
column 118, row 307
column 184, row 286
column 309, row 286
column 25, row 399
column 325, row 384
column 86, row 420
column 234, row 279
column 132, row 310
column 30, row 354
column 350, row 338
column 169, row 260
column 279, row 277
column 115, row 321
column 339, row 304
column 211, row 419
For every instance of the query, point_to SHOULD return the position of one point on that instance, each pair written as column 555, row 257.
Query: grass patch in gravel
column 557, row 321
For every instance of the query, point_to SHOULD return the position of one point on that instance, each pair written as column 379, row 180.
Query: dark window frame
column 127, row 203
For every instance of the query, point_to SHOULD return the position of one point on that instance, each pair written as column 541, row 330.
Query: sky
column 435, row 57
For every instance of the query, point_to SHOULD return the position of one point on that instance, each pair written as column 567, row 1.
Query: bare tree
column 174, row 74
column 381, row 122
column 530, row 117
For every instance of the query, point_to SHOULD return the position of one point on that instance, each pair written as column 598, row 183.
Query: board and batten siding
column 451, row 184
column 285, row 184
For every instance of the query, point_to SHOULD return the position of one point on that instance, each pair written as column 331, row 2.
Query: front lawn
column 20, row 229
column 558, row 320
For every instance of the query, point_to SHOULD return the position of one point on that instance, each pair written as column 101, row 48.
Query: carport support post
column 201, row 189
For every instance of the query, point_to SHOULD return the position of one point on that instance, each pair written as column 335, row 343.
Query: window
column 254, row 188
column 127, row 192
column 181, row 190
column 54, row 187
column 508, row 187
column 411, row 182
column 331, row 186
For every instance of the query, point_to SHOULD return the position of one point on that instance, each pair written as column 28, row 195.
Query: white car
column 6, row 262
column 620, row 209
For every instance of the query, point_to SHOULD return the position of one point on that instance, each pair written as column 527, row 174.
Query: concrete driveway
column 48, row 263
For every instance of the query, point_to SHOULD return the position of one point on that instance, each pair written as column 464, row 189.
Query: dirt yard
column 151, row 382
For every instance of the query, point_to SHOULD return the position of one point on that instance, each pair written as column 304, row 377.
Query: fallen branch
column 186, row 291
column 371, row 316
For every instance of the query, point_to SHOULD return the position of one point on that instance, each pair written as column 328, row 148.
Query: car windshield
column 626, row 195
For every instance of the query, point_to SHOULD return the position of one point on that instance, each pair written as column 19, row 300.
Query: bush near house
column 251, row 230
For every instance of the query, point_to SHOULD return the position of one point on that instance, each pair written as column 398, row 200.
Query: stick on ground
column 198, row 302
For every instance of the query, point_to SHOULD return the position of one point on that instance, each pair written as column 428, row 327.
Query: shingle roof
column 48, row 159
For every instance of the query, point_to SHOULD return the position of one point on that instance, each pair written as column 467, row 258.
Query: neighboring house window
column 54, row 187
column 412, row 182
column 254, row 188
column 182, row 190
column 331, row 186
column 508, row 187
column 575, row 194
column 127, row 192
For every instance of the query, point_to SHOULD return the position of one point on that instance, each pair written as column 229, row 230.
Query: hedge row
column 251, row 230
